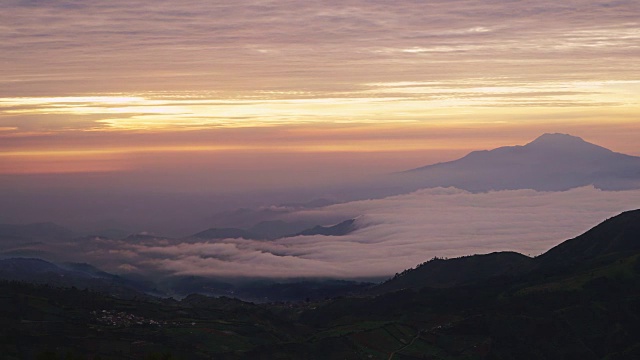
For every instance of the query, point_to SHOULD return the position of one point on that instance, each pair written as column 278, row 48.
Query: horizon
column 59, row 188
column 267, row 84
column 172, row 118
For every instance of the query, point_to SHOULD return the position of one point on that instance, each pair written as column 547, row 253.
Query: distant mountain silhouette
column 271, row 230
column 552, row 162
column 262, row 290
column 144, row 238
column 89, row 270
column 21, row 268
column 29, row 240
column 274, row 229
column 340, row 229
column 111, row 233
column 82, row 276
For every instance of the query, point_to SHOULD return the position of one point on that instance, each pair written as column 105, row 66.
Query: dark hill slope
column 617, row 235
column 442, row 273
column 615, row 238
column 585, row 310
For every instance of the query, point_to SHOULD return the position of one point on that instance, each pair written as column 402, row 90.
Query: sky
column 142, row 109
column 119, row 86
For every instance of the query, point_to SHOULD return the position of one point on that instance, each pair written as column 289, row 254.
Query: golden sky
column 357, row 86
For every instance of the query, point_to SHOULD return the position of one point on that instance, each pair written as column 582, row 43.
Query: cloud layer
column 197, row 63
column 302, row 45
column 195, row 95
column 394, row 233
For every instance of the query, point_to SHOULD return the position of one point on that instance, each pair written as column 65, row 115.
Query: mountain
column 146, row 239
column 26, row 268
column 89, row 270
column 617, row 236
column 614, row 239
column 79, row 275
column 339, row 229
column 263, row 290
column 111, row 233
column 442, row 273
column 270, row 230
column 274, row 229
column 31, row 240
column 552, row 162
column 587, row 309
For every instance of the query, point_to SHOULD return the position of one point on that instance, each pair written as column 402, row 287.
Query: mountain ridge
column 340, row 229
column 551, row 162
column 617, row 235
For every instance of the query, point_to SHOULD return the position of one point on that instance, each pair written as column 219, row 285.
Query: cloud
column 394, row 233
column 95, row 67
column 97, row 76
column 329, row 46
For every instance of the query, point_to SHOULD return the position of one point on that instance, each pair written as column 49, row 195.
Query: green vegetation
column 43, row 322
column 580, row 306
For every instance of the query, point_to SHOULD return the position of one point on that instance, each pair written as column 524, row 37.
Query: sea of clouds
column 393, row 234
